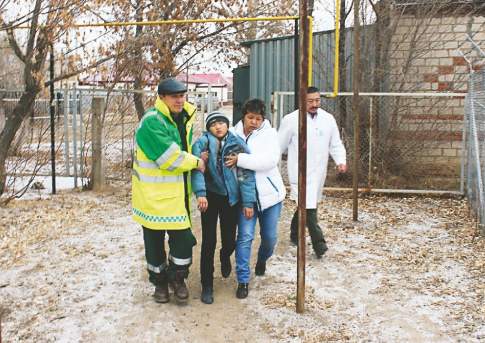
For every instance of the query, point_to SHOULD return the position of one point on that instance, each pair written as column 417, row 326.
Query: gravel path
column 411, row 270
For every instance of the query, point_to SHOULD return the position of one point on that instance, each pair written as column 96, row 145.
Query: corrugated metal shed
column 272, row 65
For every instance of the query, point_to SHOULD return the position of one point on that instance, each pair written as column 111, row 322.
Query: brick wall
column 425, row 57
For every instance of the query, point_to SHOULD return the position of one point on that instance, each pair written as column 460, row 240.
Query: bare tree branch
column 33, row 29
column 179, row 47
column 14, row 45
column 81, row 70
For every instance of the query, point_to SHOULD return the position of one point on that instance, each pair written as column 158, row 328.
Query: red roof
column 213, row 79
column 100, row 78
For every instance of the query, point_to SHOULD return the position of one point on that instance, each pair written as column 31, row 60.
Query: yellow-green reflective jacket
column 158, row 196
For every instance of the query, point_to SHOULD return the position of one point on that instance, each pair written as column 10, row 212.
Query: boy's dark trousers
column 218, row 208
column 316, row 234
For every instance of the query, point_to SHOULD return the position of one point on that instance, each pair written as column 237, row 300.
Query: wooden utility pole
column 302, row 157
column 355, row 110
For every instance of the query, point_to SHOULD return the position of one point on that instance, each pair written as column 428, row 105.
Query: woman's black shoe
column 207, row 296
column 242, row 290
column 225, row 265
column 260, row 268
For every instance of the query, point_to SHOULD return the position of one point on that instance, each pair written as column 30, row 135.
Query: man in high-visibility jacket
column 161, row 188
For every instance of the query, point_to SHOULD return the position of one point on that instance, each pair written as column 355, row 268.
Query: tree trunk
column 138, row 82
column 12, row 125
column 138, row 97
column 97, row 171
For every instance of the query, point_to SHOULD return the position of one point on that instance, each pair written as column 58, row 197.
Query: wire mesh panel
column 475, row 144
column 407, row 141
column 119, row 120
column 29, row 154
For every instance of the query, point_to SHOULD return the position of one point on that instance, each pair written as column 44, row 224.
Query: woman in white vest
column 262, row 141
column 323, row 139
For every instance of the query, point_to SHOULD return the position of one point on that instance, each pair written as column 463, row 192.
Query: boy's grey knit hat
column 214, row 117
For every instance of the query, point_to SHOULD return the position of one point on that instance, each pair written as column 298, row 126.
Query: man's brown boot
column 161, row 294
column 178, row 286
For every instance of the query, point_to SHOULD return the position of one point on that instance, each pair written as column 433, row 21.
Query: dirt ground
column 411, row 270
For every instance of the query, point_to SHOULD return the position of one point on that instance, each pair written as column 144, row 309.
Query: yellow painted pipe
column 176, row 22
column 310, row 51
column 337, row 48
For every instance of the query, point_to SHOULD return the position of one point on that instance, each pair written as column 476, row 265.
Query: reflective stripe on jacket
column 158, row 197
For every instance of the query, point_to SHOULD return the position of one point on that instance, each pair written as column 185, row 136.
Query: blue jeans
column 268, row 223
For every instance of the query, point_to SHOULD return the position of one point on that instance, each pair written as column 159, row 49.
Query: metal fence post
column 203, row 106
column 282, row 106
column 464, row 151
column 74, row 137
column 122, row 146
column 81, row 141
column 475, row 144
column 66, row 132
column 209, row 99
column 371, row 133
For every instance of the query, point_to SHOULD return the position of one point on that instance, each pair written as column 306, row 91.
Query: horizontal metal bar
column 175, row 22
column 415, row 94
column 397, row 191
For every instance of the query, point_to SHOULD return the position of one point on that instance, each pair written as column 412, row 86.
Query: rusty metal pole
column 355, row 108
column 302, row 157
column 296, row 64
column 52, row 111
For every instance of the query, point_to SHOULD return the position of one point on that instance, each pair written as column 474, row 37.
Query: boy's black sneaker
column 242, row 290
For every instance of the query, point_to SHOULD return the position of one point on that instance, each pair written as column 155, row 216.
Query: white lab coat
column 323, row 138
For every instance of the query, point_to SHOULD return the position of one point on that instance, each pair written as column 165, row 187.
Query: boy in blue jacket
column 221, row 193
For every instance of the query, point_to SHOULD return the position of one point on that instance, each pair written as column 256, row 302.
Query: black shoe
column 320, row 249
column 207, row 295
column 242, row 290
column 260, row 268
column 225, row 265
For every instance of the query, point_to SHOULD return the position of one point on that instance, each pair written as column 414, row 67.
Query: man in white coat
column 323, row 139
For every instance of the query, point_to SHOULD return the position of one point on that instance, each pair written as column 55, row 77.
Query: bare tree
column 176, row 46
column 47, row 21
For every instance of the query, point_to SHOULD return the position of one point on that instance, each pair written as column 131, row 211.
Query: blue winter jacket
column 236, row 183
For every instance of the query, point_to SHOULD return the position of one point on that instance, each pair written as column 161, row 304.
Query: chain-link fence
column 408, row 141
column 475, row 146
column 29, row 155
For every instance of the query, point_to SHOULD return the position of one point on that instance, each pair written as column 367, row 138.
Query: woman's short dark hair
column 255, row 105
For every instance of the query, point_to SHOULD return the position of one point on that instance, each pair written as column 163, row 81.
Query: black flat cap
column 171, row 86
